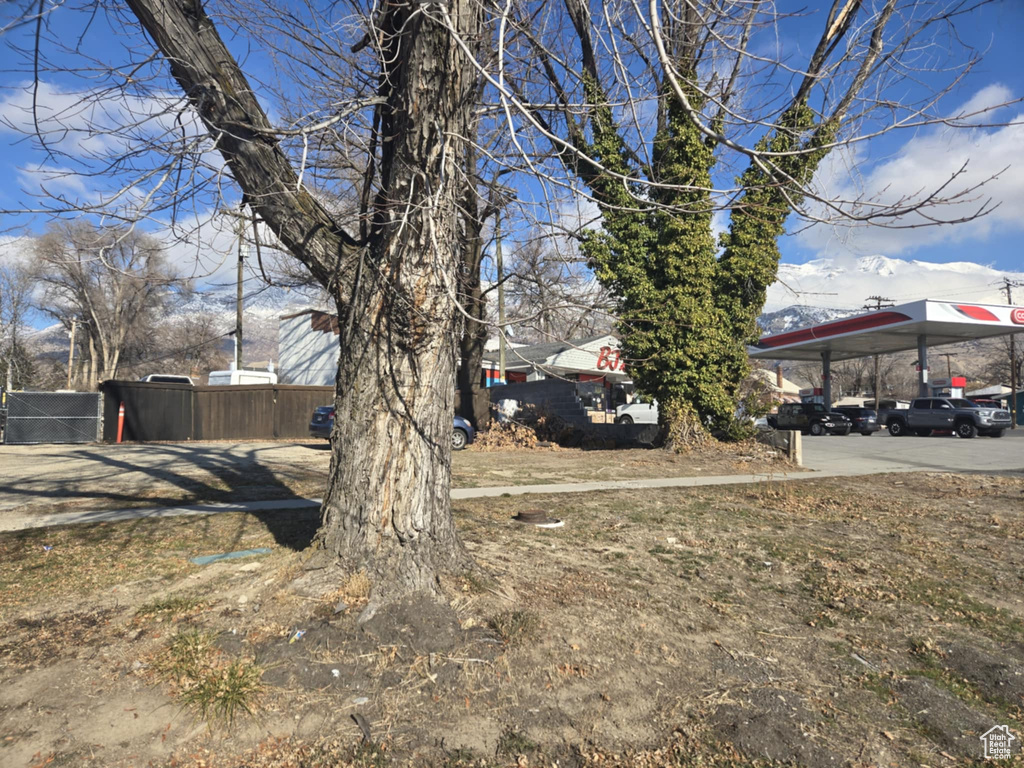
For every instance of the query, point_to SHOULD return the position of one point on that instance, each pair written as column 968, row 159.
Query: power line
column 949, row 364
column 880, row 301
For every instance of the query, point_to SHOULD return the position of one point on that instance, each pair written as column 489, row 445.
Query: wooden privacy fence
column 178, row 412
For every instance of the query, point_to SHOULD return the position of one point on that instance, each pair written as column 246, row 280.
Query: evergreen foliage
column 688, row 305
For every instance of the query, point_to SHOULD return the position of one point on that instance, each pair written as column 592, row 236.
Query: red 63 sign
column 1017, row 316
column 609, row 359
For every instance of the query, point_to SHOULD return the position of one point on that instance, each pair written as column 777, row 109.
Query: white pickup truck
column 244, row 376
column 637, row 413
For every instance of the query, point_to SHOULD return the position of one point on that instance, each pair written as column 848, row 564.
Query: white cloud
column 84, row 124
column 42, row 181
column 991, row 157
column 201, row 245
column 578, row 214
column 104, row 148
column 984, row 105
column 14, row 250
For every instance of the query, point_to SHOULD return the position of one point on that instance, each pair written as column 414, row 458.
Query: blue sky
column 909, row 160
column 900, row 162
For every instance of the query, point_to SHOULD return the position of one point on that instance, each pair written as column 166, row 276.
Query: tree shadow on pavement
column 181, row 475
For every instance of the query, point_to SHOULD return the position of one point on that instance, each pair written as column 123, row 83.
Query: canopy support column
column 826, row 377
column 922, row 365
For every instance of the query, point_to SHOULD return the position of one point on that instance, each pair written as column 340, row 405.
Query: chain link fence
column 52, row 417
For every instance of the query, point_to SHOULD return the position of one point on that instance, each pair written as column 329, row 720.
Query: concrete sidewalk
column 25, row 522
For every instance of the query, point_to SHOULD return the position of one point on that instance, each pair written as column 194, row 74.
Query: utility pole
column 501, row 295
column 949, row 365
column 238, row 303
column 71, row 352
column 880, row 301
column 1008, row 285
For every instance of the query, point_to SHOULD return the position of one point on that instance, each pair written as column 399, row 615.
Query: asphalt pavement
column 859, row 455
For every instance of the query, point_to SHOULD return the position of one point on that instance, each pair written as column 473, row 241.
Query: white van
column 637, row 413
column 228, row 378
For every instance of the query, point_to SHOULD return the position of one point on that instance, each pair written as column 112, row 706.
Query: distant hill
column 262, row 308
column 799, row 316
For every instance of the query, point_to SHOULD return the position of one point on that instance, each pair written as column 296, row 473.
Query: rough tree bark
column 472, row 405
column 475, row 213
column 387, row 508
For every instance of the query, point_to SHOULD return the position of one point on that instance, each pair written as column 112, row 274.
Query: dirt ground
column 860, row 622
column 49, row 479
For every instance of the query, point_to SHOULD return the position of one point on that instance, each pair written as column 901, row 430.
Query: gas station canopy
column 918, row 325
column 894, row 329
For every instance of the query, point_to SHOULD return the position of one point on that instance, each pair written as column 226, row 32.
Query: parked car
column 168, row 378
column 964, row 418
column 810, row 418
column 323, row 422
column 637, row 413
column 462, row 433
column 864, row 420
column 984, row 402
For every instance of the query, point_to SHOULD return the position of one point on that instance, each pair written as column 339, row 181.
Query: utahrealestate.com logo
column 998, row 741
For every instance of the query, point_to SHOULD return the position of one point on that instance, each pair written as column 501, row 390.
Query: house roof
column 307, row 311
column 541, row 353
column 493, row 344
column 995, row 389
column 771, row 378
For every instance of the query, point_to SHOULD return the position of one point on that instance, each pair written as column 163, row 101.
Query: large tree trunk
column 387, row 508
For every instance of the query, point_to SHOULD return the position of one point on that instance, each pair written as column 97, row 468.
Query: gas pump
column 953, row 387
column 812, row 395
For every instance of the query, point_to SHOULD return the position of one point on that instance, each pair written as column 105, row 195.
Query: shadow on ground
column 176, row 474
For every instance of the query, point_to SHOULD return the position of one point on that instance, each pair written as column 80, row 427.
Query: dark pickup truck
column 810, row 418
column 865, row 420
column 964, row 418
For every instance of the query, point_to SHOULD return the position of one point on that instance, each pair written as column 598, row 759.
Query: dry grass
column 356, row 586
column 876, row 623
column 171, row 606
column 543, row 466
column 40, row 564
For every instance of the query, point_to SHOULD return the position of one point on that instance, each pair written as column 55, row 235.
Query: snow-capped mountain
column 847, row 283
column 259, row 300
column 806, row 294
column 799, row 316
column 262, row 307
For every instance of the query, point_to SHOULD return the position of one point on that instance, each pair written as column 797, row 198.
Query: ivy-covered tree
column 688, row 300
